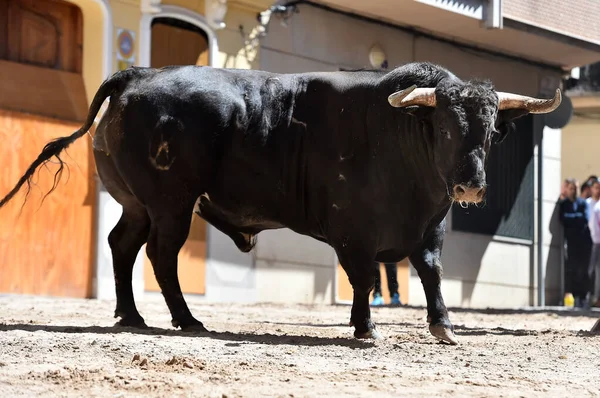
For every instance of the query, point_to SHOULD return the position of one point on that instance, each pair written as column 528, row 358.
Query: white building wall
column 478, row 270
column 230, row 274
column 551, row 233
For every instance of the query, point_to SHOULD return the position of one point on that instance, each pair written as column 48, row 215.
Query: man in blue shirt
column 574, row 218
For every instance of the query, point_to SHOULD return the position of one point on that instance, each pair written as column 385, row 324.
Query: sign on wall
column 125, row 48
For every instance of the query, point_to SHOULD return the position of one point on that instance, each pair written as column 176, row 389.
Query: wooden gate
column 45, row 248
column 175, row 42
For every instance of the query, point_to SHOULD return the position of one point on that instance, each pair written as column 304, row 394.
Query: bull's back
column 185, row 111
column 227, row 131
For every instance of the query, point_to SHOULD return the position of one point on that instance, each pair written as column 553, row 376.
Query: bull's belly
column 239, row 214
column 392, row 256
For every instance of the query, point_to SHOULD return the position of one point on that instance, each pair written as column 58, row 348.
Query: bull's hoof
column 372, row 334
column 443, row 333
column 195, row 327
column 130, row 320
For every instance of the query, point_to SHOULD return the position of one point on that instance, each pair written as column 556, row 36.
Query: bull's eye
column 444, row 132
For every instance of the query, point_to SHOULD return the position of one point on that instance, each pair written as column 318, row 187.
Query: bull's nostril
column 480, row 193
column 459, row 190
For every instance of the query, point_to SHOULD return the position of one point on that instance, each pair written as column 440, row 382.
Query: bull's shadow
column 235, row 338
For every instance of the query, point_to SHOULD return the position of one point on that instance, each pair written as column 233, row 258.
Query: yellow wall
column 126, row 15
column 93, row 45
column 581, row 148
column 232, row 50
column 194, row 5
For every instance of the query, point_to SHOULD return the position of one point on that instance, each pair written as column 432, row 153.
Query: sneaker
column 396, row 299
column 377, row 299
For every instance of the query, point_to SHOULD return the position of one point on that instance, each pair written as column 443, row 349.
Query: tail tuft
column 55, row 147
column 52, row 149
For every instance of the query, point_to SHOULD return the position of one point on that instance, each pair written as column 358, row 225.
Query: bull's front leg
column 427, row 262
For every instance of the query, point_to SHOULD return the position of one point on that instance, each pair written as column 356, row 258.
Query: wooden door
column 176, row 42
column 45, row 248
column 344, row 289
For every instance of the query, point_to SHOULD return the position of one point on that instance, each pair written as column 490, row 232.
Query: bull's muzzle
column 468, row 194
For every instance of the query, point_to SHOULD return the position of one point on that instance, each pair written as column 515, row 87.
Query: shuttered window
column 509, row 206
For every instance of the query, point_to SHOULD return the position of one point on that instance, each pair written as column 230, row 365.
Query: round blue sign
column 125, row 44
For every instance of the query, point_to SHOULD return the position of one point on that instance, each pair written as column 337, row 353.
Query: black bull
column 369, row 162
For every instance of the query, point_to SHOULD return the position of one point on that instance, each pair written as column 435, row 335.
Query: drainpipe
column 540, row 234
column 492, row 14
column 562, row 263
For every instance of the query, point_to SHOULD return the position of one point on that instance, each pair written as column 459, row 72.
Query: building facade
column 581, row 140
column 491, row 255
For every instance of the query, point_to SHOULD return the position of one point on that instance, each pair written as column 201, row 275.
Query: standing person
column 586, row 190
column 594, row 225
column 391, row 271
column 563, row 190
column 594, row 184
column 573, row 217
column 586, row 187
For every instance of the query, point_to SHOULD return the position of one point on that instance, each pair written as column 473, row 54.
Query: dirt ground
column 65, row 347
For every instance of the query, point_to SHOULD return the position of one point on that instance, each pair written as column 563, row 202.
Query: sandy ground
column 64, row 347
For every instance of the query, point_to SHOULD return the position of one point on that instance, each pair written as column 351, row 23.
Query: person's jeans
column 391, row 272
column 577, row 261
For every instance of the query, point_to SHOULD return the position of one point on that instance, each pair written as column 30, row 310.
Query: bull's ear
column 509, row 115
column 504, row 123
column 502, row 131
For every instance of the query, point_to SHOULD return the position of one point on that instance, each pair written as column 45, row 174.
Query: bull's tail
column 55, row 147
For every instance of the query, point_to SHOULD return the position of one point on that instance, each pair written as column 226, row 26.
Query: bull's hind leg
column 126, row 240
column 168, row 232
column 427, row 262
column 361, row 273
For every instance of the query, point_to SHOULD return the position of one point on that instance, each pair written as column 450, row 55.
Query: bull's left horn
column 413, row 96
column 533, row 105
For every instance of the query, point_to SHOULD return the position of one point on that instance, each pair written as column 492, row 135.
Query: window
column 508, row 210
column 47, row 33
column 41, row 59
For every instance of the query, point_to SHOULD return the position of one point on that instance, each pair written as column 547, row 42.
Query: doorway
column 47, row 248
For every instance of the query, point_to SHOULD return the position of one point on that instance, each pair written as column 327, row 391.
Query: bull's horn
column 413, row 96
column 533, row 105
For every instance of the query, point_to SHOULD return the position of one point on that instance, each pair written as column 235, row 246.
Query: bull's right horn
column 413, row 96
column 533, row 105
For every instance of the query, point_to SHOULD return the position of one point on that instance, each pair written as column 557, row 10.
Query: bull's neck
column 411, row 153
